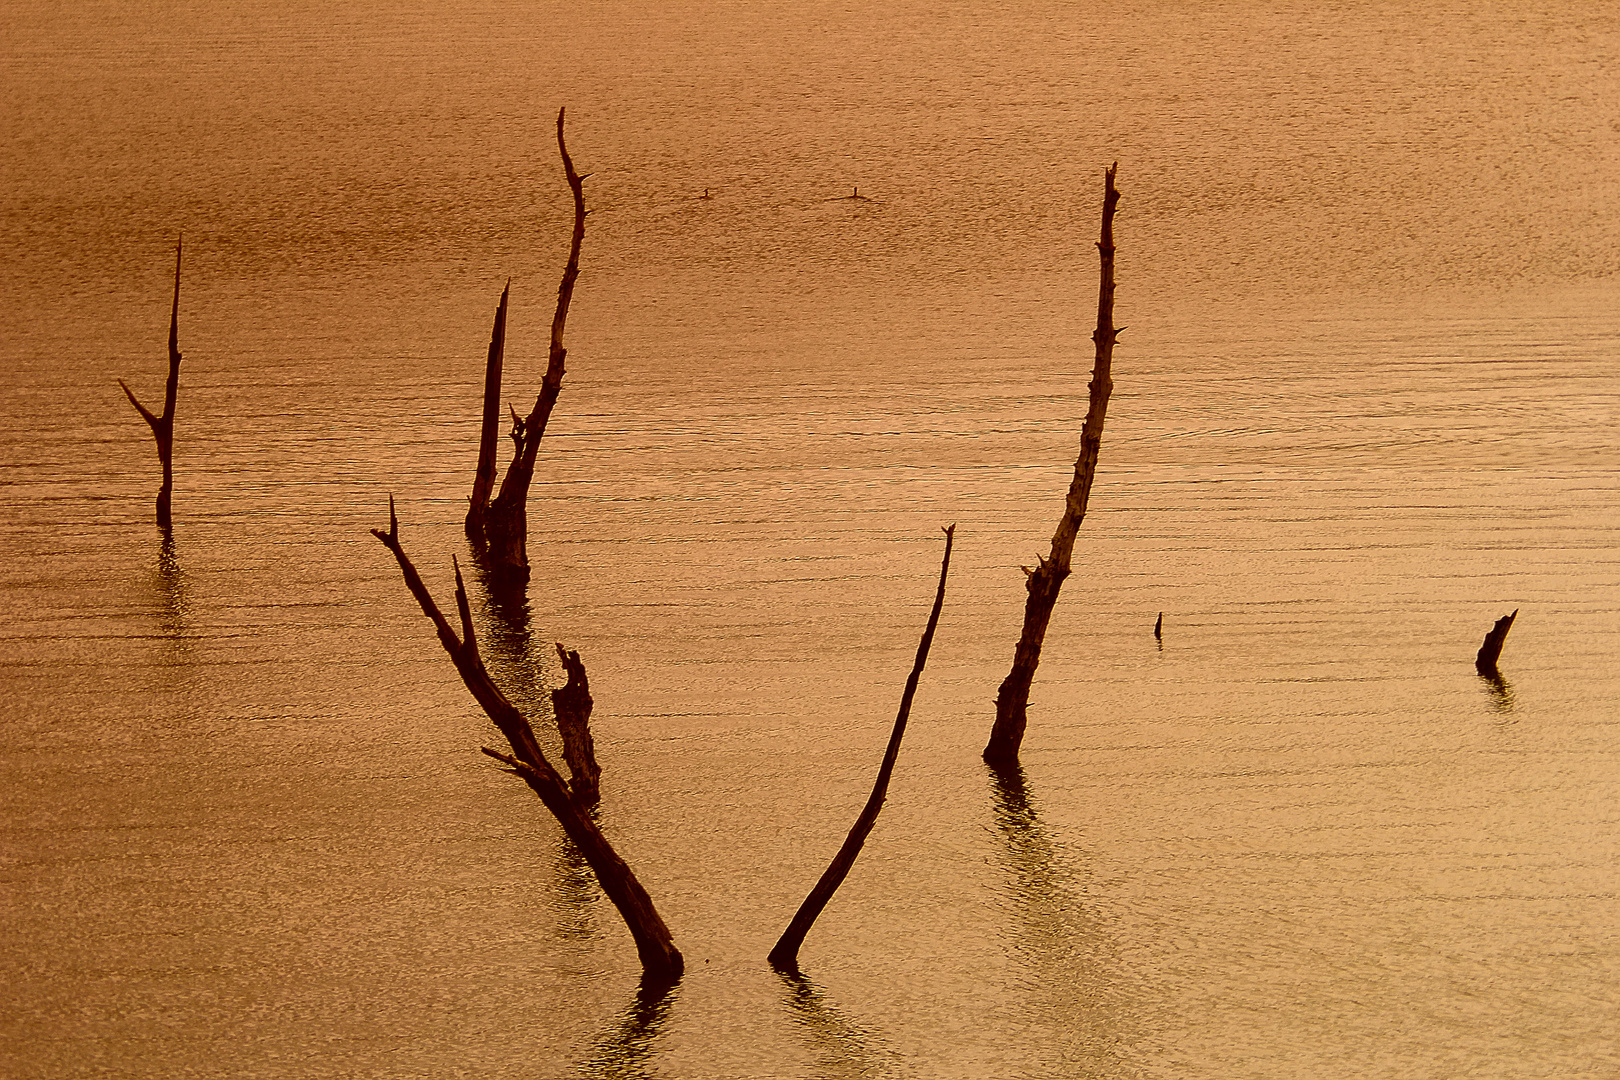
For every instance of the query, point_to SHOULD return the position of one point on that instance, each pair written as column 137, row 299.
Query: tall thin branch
column 1044, row 582
column 660, row 959
column 163, row 426
column 785, row 955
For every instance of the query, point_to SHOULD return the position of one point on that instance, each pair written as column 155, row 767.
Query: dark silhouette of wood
column 506, row 524
column 1043, row 583
column 1485, row 660
column 490, row 436
column 163, row 426
column 660, row 959
column 571, row 705
column 785, row 955
column 1158, row 627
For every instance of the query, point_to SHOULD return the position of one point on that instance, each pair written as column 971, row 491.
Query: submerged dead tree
column 785, row 955
column 1043, row 582
column 500, row 526
column 163, row 426
column 660, row 960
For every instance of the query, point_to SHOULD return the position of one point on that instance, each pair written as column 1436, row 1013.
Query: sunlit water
column 1364, row 406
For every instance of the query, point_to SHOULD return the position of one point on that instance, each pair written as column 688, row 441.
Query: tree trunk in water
column 660, row 960
column 1491, row 651
column 489, row 439
column 1043, row 583
column 163, row 426
column 571, row 705
column 785, row 955
column 506, row 527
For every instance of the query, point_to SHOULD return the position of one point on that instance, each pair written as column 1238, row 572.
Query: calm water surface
column 1364, row 406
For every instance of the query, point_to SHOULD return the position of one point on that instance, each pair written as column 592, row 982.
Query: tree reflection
column 574, row 892
column 1060, row 940
column 1500, row 691
column 843, row 1048
column 169, row 581
column 508, row 643
column 626, row 1052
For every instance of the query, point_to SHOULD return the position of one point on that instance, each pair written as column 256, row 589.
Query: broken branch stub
column 163, row 426
column 1485, row 660
column 660, row 959
column 1044, row 582
column 571, row 704
column 785, row 955
column 506, row 525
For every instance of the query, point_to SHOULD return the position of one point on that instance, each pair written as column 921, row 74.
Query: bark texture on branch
column 506, row 525
column 1485, row 660
column 660, row 959
column 785, row 955
column 489, row 440
column 163, row 426
column 571, row 705
column 1044, row 582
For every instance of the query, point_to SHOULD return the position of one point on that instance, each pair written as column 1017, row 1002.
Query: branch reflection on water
column 843, row 1048
column 509, row 645
column 169, row 581
column 574, row 893
column 1501, row 692
column 1060, row 940
column 626, row 1051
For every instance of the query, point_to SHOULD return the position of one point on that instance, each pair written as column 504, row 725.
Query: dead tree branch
column 1485, row 660
column 1044, row 582
column 163, row 426
column 571, row 705
column 506, row 526
column 660, row 959
column 785, row 955
column 490, row 436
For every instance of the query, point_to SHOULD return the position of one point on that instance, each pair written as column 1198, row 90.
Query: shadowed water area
column 1365, row 405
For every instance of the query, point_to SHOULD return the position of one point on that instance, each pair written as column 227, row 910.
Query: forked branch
column 660, row 959
column 506, row 521
column 163, row 426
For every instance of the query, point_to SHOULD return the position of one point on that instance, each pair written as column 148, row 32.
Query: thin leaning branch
column 785, row 955
column 1044, row 582
column 163, row 426
column 660, row 959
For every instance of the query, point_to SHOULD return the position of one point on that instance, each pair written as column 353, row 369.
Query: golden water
column 1365, row 405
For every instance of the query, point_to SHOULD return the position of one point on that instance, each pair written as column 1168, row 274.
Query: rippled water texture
column 1364, row 406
